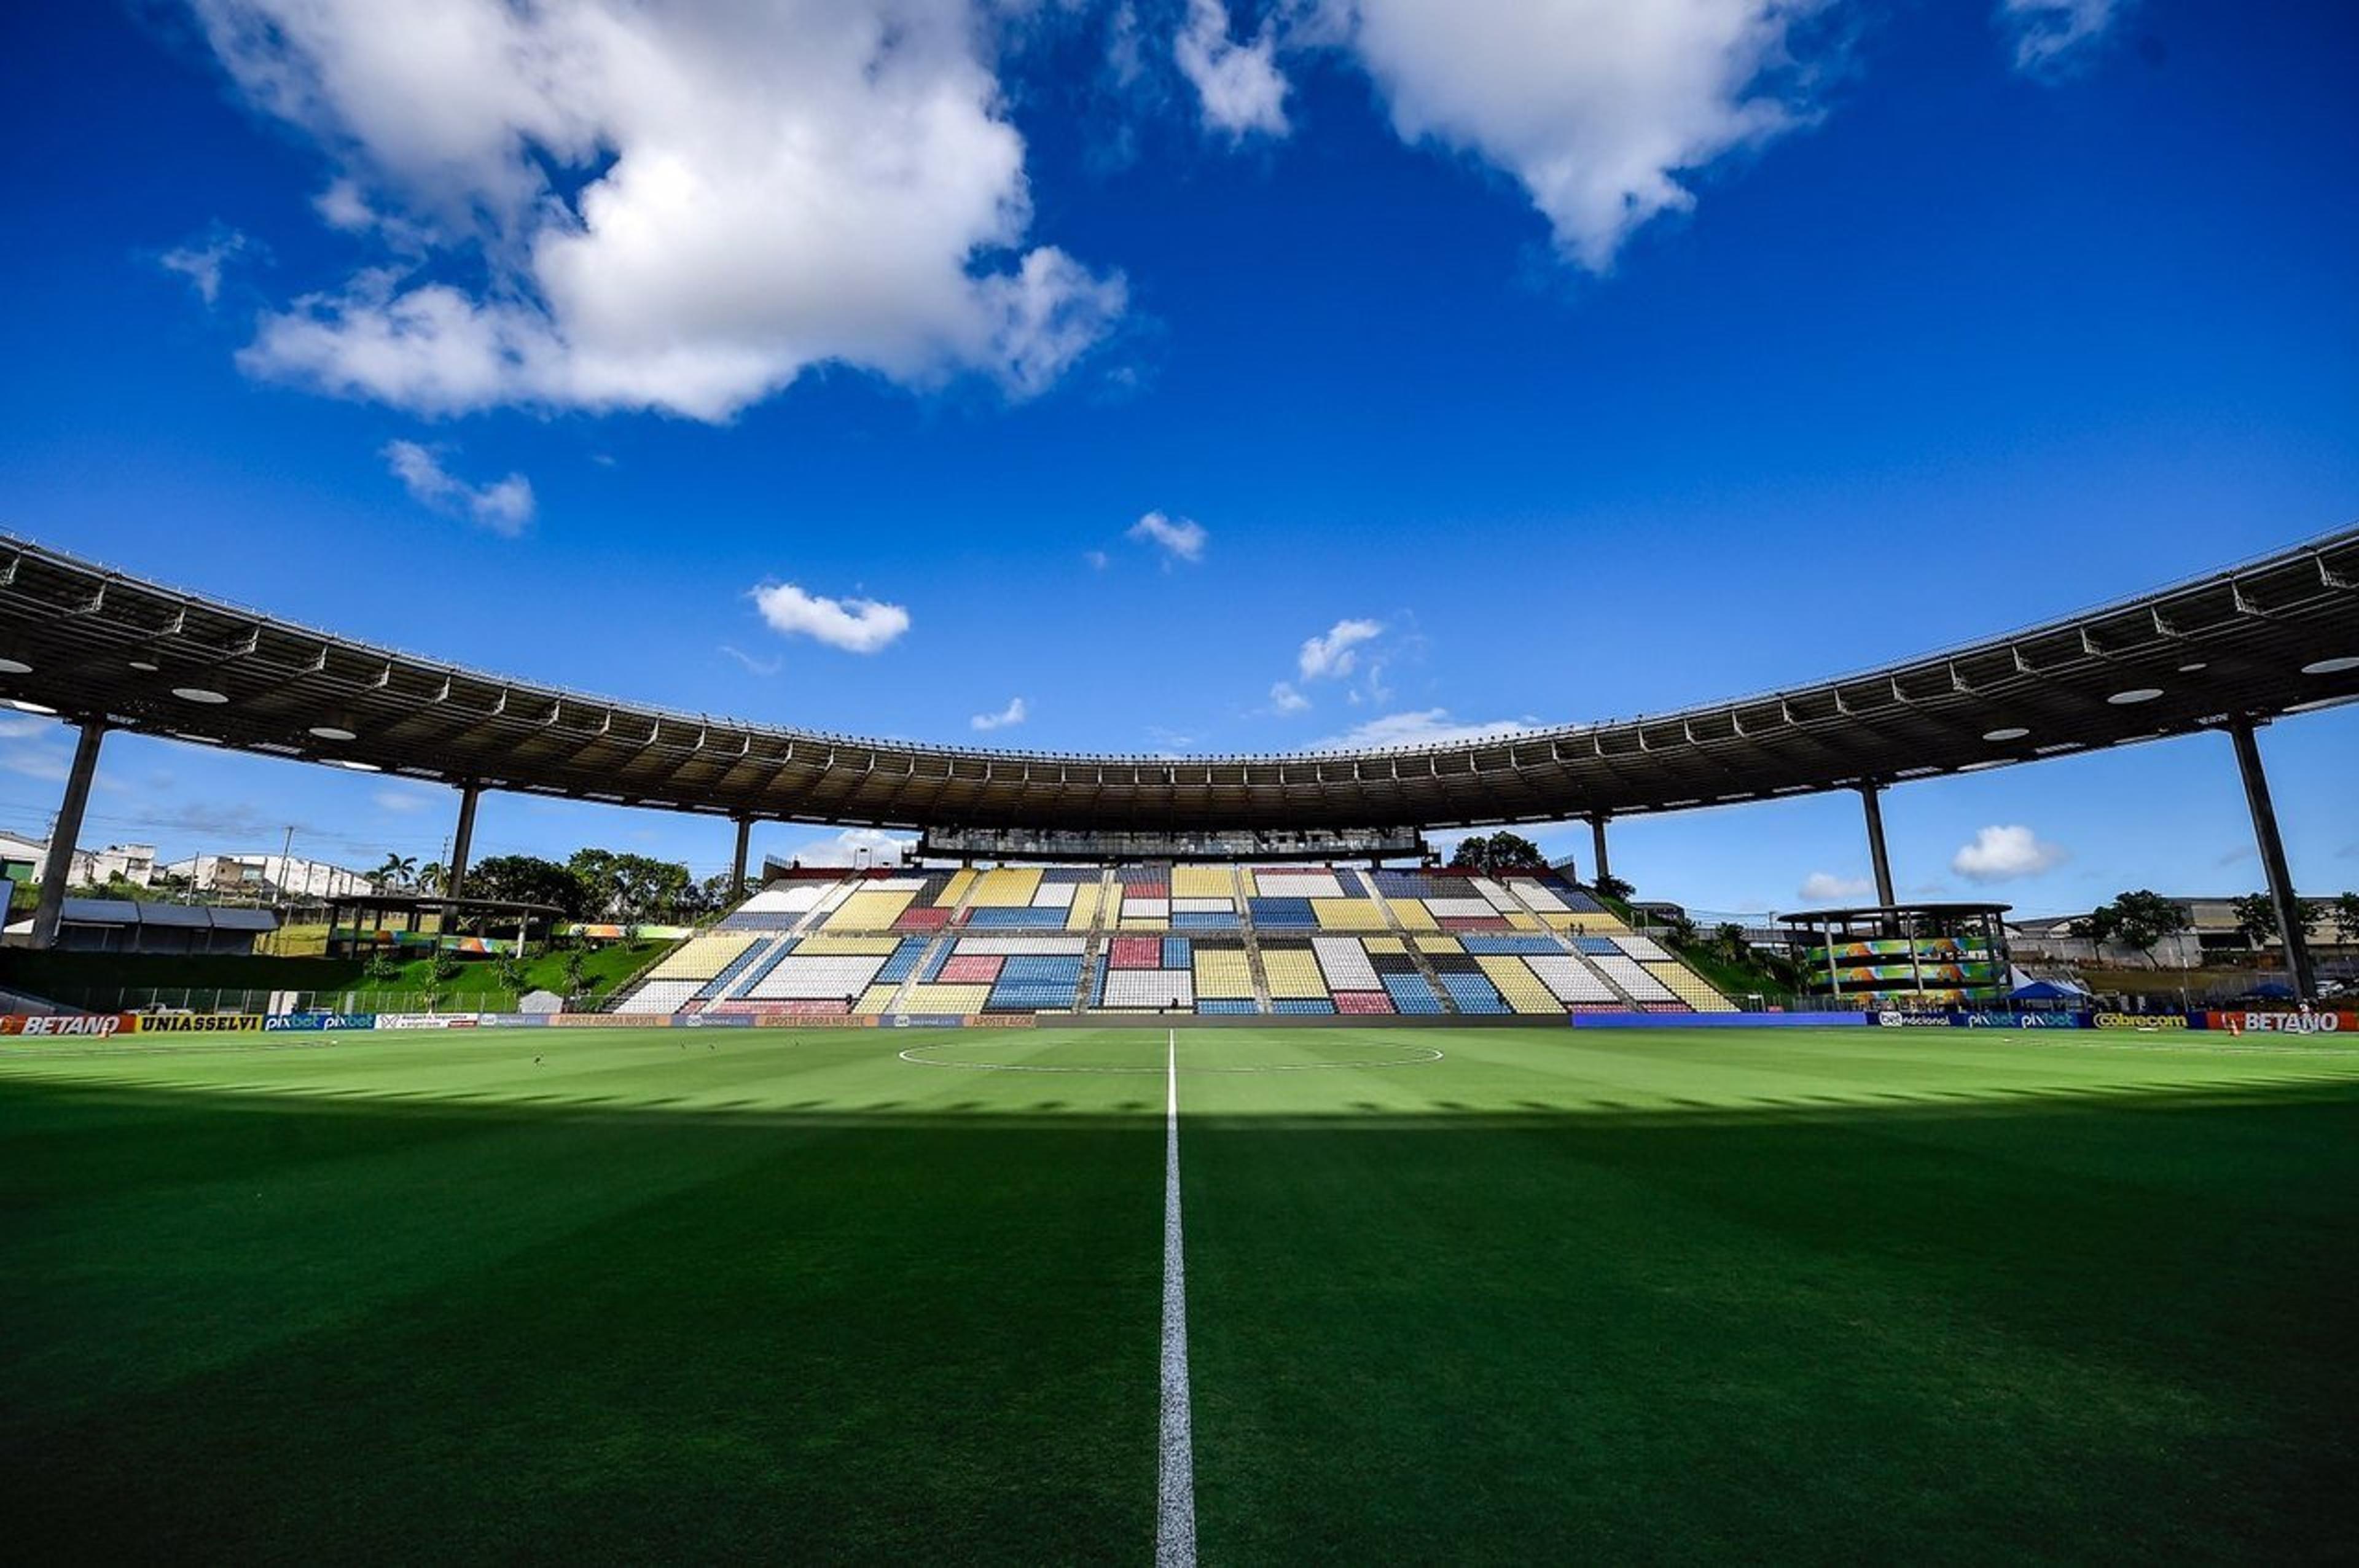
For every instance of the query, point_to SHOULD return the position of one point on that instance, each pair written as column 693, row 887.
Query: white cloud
column 1238, row 85
column 1825, row 887
column 854, row 625
column 1098, row 560
column 505, row 505
column 201, row 262
column 1597, row 107
column 853, row 846
column 2053, row 35
column 1285, row 699
column 676, row 206
column 1424, row 726
column 1332, row 657
column 1013, row 713
column 1177, row 538
column 401, row 800
column 2000, row 854
column 753, row 667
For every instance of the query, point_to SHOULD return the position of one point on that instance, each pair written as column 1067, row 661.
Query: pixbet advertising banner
column 313, row 1023
column 2016, row 1019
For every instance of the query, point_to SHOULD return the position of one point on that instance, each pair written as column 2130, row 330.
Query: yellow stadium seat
column 1223, row 972
column 1516, row 982
column 1349, row 915
column 1293, row 972
column 868, row 912
column 1691, row 987
column 946, row 1000
column 702, row 958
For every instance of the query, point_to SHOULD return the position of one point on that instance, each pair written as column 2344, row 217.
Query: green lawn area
column 1557, row 1294
column 96, row 980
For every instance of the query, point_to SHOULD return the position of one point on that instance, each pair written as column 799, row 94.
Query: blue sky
column 1180, row 378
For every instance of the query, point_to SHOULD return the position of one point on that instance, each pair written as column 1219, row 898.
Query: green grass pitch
column 1557, row 1294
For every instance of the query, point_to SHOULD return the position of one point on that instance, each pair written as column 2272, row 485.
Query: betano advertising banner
column 2284, row 1022
column 73, row 1025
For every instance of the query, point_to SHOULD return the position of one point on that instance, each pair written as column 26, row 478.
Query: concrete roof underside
column 97, row 643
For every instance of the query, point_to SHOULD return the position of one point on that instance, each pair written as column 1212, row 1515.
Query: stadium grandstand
column 1199, row 886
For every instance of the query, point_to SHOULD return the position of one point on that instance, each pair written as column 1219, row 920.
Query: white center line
column 1175, row 1500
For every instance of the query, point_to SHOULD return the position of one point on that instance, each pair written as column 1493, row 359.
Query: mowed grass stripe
column 2074, row 1317
column 369, row 1330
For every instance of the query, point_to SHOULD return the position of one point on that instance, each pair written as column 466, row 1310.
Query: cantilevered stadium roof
column 2269, row 637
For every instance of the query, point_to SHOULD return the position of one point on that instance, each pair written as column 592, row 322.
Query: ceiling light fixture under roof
column 21, row 706
column 2135, row 695
column 147, row 665
column 356, row 766
column 14, row 667
column 2190, row 669
column 198, row 694
column 2014, row 732
column 333, row 732
column 2330, row 666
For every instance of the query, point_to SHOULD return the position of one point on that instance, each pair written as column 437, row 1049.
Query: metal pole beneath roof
column 737, row 860
column 1597, row 844
column 1869, row 794
column 2282, row 897
column 454, row 878
column 57, row 865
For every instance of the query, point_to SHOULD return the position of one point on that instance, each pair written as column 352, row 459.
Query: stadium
column 1151, row 1146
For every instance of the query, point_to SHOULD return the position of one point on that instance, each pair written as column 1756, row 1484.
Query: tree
column 1728, row 941
column 2256, row 917
column 2140, row 919
column 527, row 879
column 1502, row 851
column 398, row 872
column 2346, row 916
column 1608, row 885
column 431, row 876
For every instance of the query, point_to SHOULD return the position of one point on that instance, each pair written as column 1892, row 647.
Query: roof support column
column 1597, row 843
column 1869, row 796
column 57, row 865
column 2282, row 897
column 737, row 860
column 454, row 881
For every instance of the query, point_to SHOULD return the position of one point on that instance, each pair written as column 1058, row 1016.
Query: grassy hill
column 97, row 979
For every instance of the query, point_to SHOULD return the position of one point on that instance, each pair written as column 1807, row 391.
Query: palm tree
column 395, row 873
column 430, row 876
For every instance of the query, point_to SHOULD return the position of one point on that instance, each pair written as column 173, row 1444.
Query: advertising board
column 200, row 1022
column 2016, row 1019
column 76, row 1025
column 313, row 1023
column 2140, row 1020
column 2284, row 1022
column 427, row 1019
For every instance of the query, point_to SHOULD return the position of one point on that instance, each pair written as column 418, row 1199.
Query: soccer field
column 1450, row 1294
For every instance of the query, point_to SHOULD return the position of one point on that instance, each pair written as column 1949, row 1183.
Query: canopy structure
column 2272, row 636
